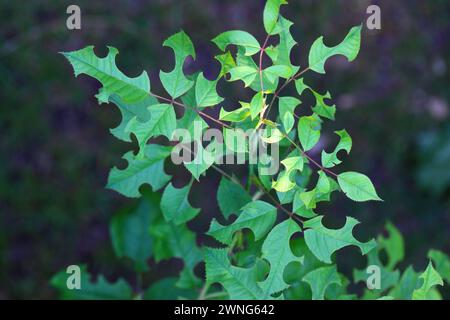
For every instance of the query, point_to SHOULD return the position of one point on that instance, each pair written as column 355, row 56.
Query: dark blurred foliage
column 56, row 151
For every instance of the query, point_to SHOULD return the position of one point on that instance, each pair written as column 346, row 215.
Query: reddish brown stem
column 174, row 102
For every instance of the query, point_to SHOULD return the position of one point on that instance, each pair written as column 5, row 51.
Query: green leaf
column 299, row 207
column 240, row 283
column 202, row 161
column 323, row 242
column 257, row 105
column 330, row 160
column 321, row 108
column 321, row 192
column 162, row 122
column 301, row 86
column 305, row 202
column 434, row 294
column 286, row 197
column 129, row 111
column 340, row 291
column 264, row 170
column 320, row 279
column 442, row 263
column 239, row 38
column 349, row 48
column 191, row 120
column 175, row 82
column 231, row 197
column 278, row 71
column 130, row 236
column 235, row 140
column 287, row 107
column 309, row 199
column 357, row 187
column 300, row 290
column 430, row 279
column 205, row 92
column 149, row 169
column 271, row 13
column 293, row 163
column 166, row 289
column 394, row 246
column 175, row 205
column 309, row 131
column 105, row 70
column 172, row 241
column 277, row 251
column 101, row 289
column 193, row 123
column 323, row 185
column 189, row 99
column 271, row 134
column 237, row 115
column 285, row 46
column 284, row 182
column 245, row 73
column 259, row 216
column 272, row 53
column 254, row 81
column 406, row 285
column 227, row 63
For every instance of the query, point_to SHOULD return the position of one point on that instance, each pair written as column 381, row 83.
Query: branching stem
column 277, row 93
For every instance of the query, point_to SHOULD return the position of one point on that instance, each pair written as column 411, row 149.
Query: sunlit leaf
column 357, row 187
column 175, row 82
column 162, row 122
column 105, row 70
column 330, row 160
column 239, row 38
column 309, row 131
column 323, row 242
column 258, row 216
column 287, row 107
column 349, row 48
column 205, row 92
column 271, row 13
column 430, row 278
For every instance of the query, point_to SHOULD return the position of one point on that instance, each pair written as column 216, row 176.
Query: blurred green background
column 56, row 150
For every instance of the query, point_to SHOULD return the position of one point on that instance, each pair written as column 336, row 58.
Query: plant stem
column 277, row 93
column 216, row 295
column 259, row 185
column 310, row 158
column 261, row 52
column 203, row 291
